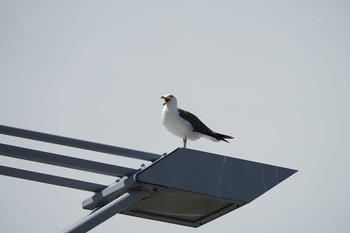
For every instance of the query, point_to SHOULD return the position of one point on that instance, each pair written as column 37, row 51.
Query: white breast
column 174, row 123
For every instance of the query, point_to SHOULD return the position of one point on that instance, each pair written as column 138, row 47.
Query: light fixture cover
column 193, row 187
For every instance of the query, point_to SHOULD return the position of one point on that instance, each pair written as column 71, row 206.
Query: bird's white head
column 169, row 100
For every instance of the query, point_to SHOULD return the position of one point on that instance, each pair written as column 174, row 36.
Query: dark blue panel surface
column 214, row 175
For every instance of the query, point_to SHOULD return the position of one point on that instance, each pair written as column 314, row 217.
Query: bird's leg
column 185, row 141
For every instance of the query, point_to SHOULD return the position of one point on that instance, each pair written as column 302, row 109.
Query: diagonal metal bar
column 107, row 211
column 64, row 161
column 109, row 193
column 65, row 141
column 51, row 179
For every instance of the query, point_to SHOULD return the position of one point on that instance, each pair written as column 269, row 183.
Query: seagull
column 185, row 124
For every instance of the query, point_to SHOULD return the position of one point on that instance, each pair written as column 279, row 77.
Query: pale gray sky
column 273, row 74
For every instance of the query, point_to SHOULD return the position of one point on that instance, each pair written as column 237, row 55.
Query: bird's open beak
column 166, row 99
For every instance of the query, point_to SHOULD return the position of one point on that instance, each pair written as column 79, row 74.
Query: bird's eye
column 171, row 96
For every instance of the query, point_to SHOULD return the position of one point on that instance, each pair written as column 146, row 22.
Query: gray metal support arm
column 64, row 161
column 51, row 179
column 65, row 141
column 107, row 211
column 109, row 193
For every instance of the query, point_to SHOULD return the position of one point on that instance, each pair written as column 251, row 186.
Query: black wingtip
column 222, row 137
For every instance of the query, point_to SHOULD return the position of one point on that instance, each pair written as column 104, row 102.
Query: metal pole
column 65, row 141
column 107, row 211
column 51, row 179
column 64, row 161
column 109, row 193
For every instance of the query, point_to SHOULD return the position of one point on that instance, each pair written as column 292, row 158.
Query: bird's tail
column 221, row 137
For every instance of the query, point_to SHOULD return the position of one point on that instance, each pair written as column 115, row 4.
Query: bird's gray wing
column 198, row 125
